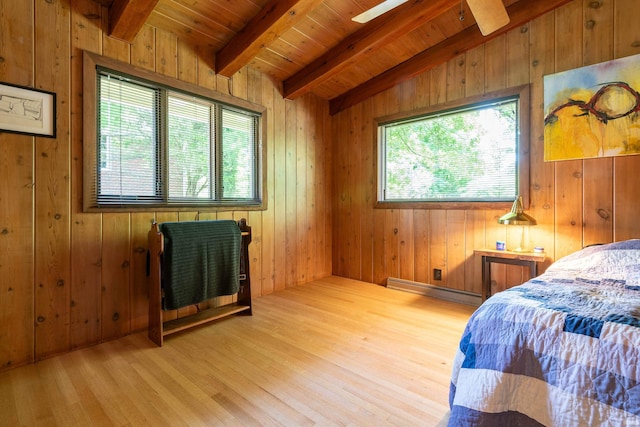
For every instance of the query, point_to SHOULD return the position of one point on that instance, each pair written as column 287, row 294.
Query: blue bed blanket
column 560, row 350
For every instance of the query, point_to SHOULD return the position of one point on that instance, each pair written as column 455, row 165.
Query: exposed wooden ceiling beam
column 275, row 18
column 520, row 13
column 126, row 17
column 364, row 42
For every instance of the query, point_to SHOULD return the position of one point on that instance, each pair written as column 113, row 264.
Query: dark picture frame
column 28, row 111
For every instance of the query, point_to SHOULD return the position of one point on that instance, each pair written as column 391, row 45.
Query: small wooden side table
column 524, row 259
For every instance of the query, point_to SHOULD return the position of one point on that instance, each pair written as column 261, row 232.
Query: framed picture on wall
column 593, row 111
column 28, row 111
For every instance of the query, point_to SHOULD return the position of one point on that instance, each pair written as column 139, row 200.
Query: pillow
column 619, row 261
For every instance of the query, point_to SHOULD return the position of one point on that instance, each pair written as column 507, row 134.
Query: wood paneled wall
column 576, row 202
column 70, row 279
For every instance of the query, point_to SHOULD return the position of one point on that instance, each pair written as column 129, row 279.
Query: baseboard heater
column 439, row 292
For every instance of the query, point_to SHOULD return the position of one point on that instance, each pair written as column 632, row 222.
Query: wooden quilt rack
column 158, row 328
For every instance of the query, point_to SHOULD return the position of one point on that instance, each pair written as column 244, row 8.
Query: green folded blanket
column 201, row 261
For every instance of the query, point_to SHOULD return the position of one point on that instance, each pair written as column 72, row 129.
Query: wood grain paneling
column 542, row 178
column 575, row 202
column 52, row 190
column 569, row 174
column 77, row 278
column 598, row 188
column 86, row 229
column 17, row 228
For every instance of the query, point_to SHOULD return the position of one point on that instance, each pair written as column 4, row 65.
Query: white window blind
column 467, row 154
column 161, row 147
column 128, row 151
column 239, row 151
column 190, row 148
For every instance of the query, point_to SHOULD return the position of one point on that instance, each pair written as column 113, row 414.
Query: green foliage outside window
column 157, row 146
column 189, row 136
column 468, row 154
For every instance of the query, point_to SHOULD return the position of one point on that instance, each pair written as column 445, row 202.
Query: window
column 156, row 143
column 468, row 154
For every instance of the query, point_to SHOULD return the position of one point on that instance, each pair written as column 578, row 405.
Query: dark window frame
column 92, row 63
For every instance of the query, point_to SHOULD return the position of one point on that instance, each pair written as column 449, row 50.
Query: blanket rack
column 158, row 328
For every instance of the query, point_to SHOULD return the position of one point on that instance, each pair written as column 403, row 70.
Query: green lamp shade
column 517, row 215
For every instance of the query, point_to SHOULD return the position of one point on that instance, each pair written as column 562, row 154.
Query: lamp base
column 524, row 240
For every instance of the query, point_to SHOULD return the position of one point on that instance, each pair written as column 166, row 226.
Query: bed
column 562, row 349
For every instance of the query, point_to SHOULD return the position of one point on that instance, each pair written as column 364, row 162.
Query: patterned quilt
column 562, row 349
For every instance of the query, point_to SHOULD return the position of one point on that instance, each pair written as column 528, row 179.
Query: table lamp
column 518, row 217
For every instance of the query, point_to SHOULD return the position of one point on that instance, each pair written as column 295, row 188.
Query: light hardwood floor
column 332, row 352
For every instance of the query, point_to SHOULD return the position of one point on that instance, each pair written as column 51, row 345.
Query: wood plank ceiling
column 313, row 45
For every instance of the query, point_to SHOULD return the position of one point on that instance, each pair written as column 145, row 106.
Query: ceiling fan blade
column 490, row 15
column 378, row 10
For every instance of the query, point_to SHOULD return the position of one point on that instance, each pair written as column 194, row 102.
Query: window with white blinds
column 128, row 137
column 467, row 153
column 157, row 146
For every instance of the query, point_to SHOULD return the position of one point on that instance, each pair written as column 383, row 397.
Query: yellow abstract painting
column 593, row 111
